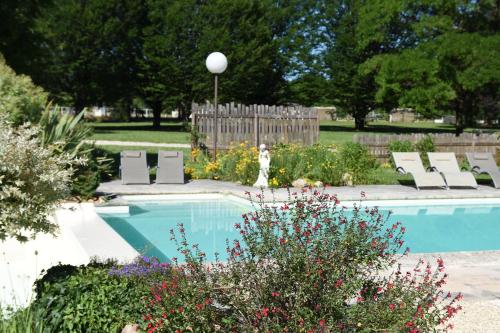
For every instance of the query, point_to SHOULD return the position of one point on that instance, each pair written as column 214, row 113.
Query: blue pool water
column 209, row 223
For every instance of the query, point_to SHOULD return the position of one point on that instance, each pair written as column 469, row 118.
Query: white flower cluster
column 33, row 179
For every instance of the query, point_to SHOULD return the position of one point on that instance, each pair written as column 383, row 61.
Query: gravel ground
column 478, row 317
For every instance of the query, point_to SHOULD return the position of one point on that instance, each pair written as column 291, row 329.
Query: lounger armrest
column 431, row 168
column 476, row 169
column 401, row 170
column 464, row 169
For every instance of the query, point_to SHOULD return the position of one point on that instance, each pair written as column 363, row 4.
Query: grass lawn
column 331, row 132
column 169, row 132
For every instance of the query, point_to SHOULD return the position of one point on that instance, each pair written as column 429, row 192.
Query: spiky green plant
column 65, row 131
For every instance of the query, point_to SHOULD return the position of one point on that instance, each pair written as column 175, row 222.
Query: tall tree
column 180, row 35
column 90, row 49
column 453, row 65
column 18, row 36
column 344, row 53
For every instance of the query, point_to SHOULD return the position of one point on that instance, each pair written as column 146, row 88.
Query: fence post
column 256, row 128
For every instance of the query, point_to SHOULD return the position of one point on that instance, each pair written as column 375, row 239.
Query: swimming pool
column 431, row 227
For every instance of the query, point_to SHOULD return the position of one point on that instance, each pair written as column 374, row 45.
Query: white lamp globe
column 216, row 63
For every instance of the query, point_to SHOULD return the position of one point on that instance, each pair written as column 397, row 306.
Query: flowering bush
column 308, row 265
column 288, row 163
column 33, row 179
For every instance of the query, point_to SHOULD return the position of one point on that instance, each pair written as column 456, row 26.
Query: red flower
column 265, row 312
column 322, row 322
column 392, row 307
column 338, row 283
column 275, row 294
column 409, row 324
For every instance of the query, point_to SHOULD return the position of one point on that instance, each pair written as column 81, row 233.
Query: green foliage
column 33, row 179
column 20, row 321
column 65, row 131
column 66, row 134
column 446, row 62
column 86, row 299
column 356, row 160
column 20, row 99
column 288, row 163
column 423, row 146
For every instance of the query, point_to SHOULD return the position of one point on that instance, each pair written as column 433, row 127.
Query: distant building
column 449, row 119
column 402, row 115
column 326, row 112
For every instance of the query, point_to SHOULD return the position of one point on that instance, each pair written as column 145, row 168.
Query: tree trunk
column 359, row 122
column 459, row 124
column 156, row 114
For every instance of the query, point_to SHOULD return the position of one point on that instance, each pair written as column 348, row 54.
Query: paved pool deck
column 373, row 192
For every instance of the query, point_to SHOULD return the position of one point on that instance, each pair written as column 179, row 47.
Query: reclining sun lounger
column 133, row 167
column 447, row 165
column 410, row 163
column 170, row 167
column 484, row 163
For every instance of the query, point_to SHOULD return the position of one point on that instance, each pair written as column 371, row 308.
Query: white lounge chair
column 410, row 163
column 447, row 165
column 484, row 163
column 133, row 167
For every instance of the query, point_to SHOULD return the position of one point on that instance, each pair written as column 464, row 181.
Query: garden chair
column 447, row 165
column 170, row 167
column 484, row 163
column 133, row 167
column 410, row 163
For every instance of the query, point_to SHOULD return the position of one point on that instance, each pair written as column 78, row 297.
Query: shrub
column 33, row 179
column 67, row 134
column 355, row 159
column 304, row 265
column 400, row 147
column 20, row 99
column 423, row 146
column 88, row 299
column 240, row 163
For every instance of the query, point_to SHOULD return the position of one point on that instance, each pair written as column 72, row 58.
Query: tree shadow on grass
column 140, row 127
column 387, row 129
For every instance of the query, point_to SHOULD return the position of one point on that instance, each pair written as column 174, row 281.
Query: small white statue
column 264, row 161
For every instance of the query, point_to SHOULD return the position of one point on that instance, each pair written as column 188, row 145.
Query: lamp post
column 216, row 64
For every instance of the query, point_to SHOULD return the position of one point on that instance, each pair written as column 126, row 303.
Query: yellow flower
column 274, row 182
column 386, row 166
column 211, row 167
column 188, row 170
column 194, row 153
column 282, row 171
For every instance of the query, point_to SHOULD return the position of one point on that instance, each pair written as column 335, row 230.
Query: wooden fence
column 256, row 124
column 467, row 142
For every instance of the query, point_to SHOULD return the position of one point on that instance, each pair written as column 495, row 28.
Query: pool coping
column 344, row 193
